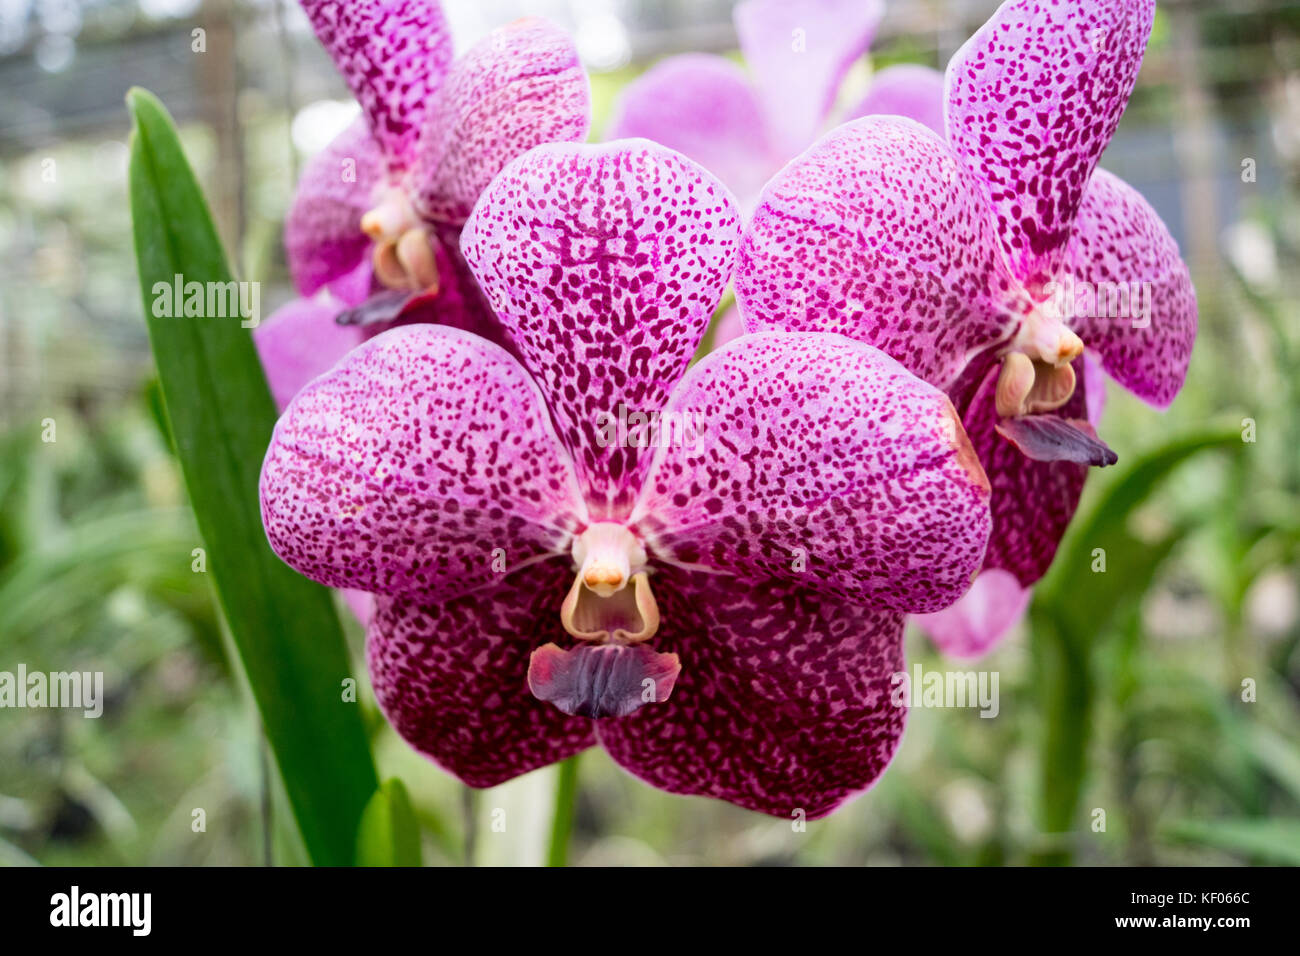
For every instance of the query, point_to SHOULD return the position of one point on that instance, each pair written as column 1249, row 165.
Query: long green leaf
column 389, row 834
column 1277, row 841
column 221, row 414
column 1073, row 607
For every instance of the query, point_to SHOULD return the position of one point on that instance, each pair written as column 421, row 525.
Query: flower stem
column 566, row 791
column 469, row 814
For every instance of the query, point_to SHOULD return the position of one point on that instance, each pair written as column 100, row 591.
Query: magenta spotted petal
column 784, row 704
column 906, row 89
column 393, row 55
column 425, row 465
column 895, row 508
column 1033, row 98
column 450, row 677
column 520, row 86
column 798, row 52
column 703, row 107
column 1131, row 290
column 378, row 214
column 604, row 264
column 880, row 233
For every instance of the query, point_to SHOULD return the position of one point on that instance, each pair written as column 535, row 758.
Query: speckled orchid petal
column 451, row 677
column 300, row 341
column 997, row 601
column 424, row 465
column 393, row 55
column 880, row 233
column 784, row 702
column 605, row 264
column 704, row 107
column 1125, row 264
column 1033, row 99
column 322, row 230
column 815, row 459
column 972, row 626
column 1032, row 501
column 798, row 52
column 520, row 86
column 905, row 89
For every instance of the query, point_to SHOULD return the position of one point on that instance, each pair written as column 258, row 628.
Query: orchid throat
column 611, row 610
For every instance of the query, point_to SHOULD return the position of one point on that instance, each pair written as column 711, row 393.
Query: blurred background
column 1164, row 692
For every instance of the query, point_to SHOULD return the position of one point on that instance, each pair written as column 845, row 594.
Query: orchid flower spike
column 706, row 570
column 744, row 128
column 988, row 262
column 374, row 230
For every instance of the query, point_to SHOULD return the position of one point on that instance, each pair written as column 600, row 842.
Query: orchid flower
column 374, row 229
column 986, row 263
column 579, row 541
column 744, row 130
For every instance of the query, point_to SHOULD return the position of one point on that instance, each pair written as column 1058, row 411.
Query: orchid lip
column 611, row 610
column 403, row 254
column 611, row 600
column 1036, row 373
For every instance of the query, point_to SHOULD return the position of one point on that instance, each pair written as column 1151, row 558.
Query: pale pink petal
column 704, row 107
column 1094, row 381
column 785, row 703
column 605, row 264
column 995, row 603
column 798, row 52
column 423, row 465
column 520, row 86
column 322, row 230
column 905, row 89
column 1130, row 290
column 300, row 341
column 393, row 55
column 1033, row 99
column 731, row 325
column 814, row 459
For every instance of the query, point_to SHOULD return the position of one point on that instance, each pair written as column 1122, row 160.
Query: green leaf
column 566, row 797
column 1073, row 607
column 1071, row 590
column 221, row 415
column 389, row 834
column 1277, row 841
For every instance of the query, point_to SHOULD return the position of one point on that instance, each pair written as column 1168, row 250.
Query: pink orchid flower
column 986, row 263
column 374, row 230
column 706, row 570
column 744, row 130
